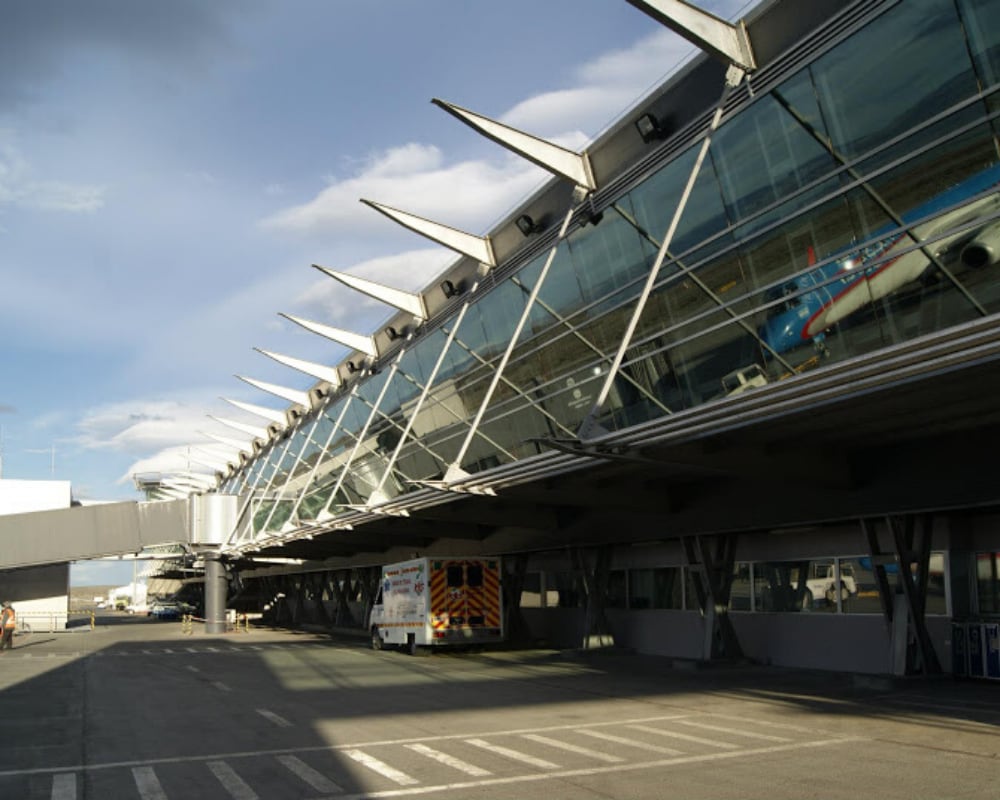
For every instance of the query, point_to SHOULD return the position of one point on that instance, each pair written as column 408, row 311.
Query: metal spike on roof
column 397, row 298
column 354, row 341
column 467, row 244
column 272, row 414
column 321, row 371
column 553, row 158
column 725, row 41
column 284, row 392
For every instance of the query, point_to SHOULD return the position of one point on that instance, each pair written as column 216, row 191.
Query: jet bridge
column 199, row 523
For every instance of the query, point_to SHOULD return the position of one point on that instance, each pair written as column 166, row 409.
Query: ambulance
column 429, row 602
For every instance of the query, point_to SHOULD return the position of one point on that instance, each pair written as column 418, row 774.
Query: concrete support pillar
column 215, row 594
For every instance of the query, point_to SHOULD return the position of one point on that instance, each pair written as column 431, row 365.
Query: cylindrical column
column 215, row 594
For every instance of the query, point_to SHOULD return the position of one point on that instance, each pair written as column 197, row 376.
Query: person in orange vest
column 8, row 621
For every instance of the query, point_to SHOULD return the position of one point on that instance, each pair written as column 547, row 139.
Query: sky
column 170, row 171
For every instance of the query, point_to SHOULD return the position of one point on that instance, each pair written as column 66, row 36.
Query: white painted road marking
column 64, row 786
column 147, row 784
column 535, row 777
column 232, row 782
column 685, row 737
column 449, row 761
column 277, row 719
column 380, row 767
column 221, row 686
column 314, row 778
column 515, row 755
column 573, row 748
column 610, row 737
column 733, row 731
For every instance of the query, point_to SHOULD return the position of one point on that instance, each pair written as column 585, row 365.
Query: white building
column 40, row 595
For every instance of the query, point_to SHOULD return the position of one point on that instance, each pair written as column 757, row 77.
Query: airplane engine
column 984, row 250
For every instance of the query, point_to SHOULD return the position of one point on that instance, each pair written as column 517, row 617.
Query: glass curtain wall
column 836, row 214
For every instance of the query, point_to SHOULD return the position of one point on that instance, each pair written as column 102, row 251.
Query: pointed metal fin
column 245, row 447
column 397, row 298
column 354, row 341
column 291, row 395
column 705, row 31
column 477, row 247
column 321, row 371
column 267, row 413
column 551, row 157
column 257, row 433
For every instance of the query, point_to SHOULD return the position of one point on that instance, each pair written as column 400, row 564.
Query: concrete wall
column 678, row 634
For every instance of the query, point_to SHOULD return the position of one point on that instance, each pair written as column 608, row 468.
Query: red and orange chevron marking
column 452, row 607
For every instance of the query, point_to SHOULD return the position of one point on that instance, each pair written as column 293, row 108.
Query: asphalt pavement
column 140, row 709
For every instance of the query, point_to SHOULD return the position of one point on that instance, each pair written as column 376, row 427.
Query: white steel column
column 589, row 427
column 455, row 471
column 323, row 449
column 363, row 432
column 377, row 496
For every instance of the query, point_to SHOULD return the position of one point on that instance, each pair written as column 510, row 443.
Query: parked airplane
column 819, row 298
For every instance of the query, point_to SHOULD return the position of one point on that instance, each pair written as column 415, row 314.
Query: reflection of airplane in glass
column 818, row 299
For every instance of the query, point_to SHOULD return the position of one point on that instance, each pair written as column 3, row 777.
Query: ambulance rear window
column 455, row 575
column 474, row 575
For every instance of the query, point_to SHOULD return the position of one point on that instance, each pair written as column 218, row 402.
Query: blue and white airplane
column 822, row 297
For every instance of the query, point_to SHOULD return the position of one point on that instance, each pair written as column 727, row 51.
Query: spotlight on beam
column 528, row 226
column 450, row 289
column 651, row 129
column 392, row 334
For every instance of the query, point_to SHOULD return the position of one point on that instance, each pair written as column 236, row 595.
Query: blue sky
column 169, row 171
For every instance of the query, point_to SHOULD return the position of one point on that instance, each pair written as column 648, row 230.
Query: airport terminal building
column 725, row 387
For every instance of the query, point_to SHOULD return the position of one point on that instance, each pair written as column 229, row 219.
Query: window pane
column 739, row 593
column 988, row 582
column 655, row 588
column 795, row 586
column 531, row 591
column 921, row 61
column 617, row 589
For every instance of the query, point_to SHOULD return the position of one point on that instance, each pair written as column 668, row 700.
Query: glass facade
column 836, row 214
column 845, row 585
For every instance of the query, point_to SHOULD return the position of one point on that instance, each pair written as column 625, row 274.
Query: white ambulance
column 438, row 601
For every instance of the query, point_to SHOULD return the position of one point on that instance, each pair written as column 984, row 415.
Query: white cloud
column 151, row 430
column 471, row 194
column 138, row 426
column 414, row 178
column 19, row 188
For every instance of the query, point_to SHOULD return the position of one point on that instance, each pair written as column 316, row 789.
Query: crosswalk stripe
column 277, row 719
column 574, row 748
column 64, row 786
column 733, row 731
column 147, row 784
column 685, row 737
column 380, row 767
column 610, row 737
column 515, row 755
column 449, row 761
column 232, row 782
column 314, row 778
